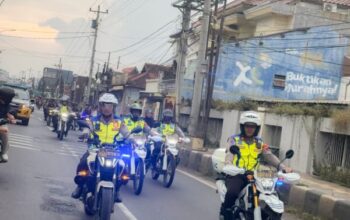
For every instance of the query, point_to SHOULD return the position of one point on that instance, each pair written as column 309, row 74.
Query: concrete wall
column 297, row 134
column 230, row 126
column 214, row 132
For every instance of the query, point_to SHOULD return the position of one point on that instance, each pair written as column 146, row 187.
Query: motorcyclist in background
column 251, row 148
column 149, row 118
column 6, row 96
column 49, row 104
column 63, row 109
column 167, row 127
column 135, row 120
column 106, row 125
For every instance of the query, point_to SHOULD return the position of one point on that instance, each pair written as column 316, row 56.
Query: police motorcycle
column 167, row 159
column 74, row 120
column 84, row 130
column 135, row 161
column 52, row 112
column 63, row 125
column 259, row 199
column 106, row 169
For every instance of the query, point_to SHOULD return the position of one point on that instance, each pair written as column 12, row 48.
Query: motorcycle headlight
column 64, row 116
column 140, row 142
column 110, row 163
column 171, row 142
column 267, row 184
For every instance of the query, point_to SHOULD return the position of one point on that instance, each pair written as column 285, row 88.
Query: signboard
column 297, row 66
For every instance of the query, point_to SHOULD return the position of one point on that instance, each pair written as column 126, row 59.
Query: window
column 279, row 81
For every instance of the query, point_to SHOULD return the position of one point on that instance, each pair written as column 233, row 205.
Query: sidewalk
column 312, row 195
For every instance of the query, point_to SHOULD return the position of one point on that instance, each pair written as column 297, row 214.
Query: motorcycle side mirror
column 136, row 130
column 289, row 154
column 234, row 150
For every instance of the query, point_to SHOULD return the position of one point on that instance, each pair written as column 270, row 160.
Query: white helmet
column 108, row 98
column 250, row 117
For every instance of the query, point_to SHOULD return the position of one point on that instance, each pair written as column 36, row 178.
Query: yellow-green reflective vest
column 250, row 153
column 167, row 129
column 130, row 124
column 107, row 132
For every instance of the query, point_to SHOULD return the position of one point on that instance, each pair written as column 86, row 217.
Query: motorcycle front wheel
column 155, row 170
column 169, row 174
column 61, row 133
column 139, row 177
column 105, row 204
column 269, row 214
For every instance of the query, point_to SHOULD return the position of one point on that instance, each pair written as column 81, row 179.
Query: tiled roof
column 129, row 70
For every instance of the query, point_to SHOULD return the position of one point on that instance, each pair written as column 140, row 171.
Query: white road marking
column 207, row 183
column 49, row 128
column 126, row 211
column 27, row 148
column 20, row 136
column 14, row 143
column 40, row 119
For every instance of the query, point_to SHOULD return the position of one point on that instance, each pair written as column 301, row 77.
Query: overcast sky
column 65, row 27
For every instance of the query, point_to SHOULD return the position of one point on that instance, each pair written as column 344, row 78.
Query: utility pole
column 118, row 63
column 213, row 64
column 108, row 60
column 201, row 70
column 95, row 24
column 182, row 52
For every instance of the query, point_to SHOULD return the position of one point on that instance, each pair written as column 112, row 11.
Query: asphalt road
column 37, row 182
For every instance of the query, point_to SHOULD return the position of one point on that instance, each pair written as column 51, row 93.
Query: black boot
column 117, row 198
column 77, row 192
column 225, row 214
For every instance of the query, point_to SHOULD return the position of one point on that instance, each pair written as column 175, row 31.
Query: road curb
column 301, row 197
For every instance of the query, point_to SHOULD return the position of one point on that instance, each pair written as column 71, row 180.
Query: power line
column 165, row 54
column 143, row 39
column 147, row 56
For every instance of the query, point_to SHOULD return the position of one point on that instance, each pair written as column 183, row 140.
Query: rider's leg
column 155, row 152
column 81, row 166
column 234, row 185
column 5, row 143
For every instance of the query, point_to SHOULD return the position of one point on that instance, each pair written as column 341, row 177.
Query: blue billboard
column 299, row 65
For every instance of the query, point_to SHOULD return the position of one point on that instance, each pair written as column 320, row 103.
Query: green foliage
column 243, row 105
column 316, row 110
column 332, row 174
column 341, row 118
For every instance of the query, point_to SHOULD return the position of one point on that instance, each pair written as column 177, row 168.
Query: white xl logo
column 242, row 75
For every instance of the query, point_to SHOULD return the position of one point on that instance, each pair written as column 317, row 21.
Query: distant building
column 56, row 82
